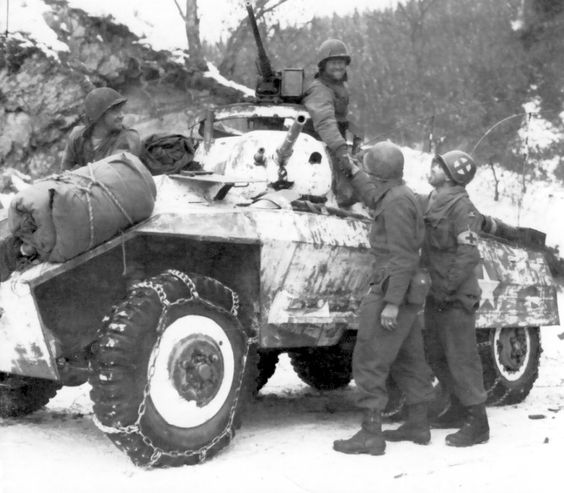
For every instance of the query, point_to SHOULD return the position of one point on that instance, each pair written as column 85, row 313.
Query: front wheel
column 24, row 395
column 171, row 372
column 510, row 359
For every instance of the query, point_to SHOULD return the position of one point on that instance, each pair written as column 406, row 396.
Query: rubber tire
column 120, row 365
column 267, row 361
column 325, row 368
column 501, row 390
column 27, row 396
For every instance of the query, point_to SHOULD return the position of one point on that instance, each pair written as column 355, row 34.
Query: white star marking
column 487, row 286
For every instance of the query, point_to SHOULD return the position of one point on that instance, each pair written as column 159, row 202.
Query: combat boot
column 415, row 429
column 369, row 440
column 453, row 417
column 475, row 429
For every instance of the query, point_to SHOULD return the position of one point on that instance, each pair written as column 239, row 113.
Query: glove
column 356, row 145
column 346, row 163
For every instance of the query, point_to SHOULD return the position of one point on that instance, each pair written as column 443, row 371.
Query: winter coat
column 328, row 103
column 396, row 234
column 450, row 249
column 80, row 151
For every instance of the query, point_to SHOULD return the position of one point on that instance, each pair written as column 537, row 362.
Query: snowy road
column 285, row 446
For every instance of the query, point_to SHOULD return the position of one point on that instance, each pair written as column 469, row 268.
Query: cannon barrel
column 285, row 150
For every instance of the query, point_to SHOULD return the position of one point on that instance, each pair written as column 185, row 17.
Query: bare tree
column 235, row 41
column 192, row 26
column 496, row 181
column 239, row 35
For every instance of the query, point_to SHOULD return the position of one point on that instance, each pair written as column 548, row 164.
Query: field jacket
column 396, row 234
column 328, row 104
column 80, row 150
column 450, row 249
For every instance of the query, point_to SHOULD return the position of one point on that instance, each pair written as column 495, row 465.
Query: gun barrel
column 264, row 62
column 285, row 150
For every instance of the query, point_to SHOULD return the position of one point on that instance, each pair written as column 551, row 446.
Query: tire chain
column 135, row 428
column 487, row 346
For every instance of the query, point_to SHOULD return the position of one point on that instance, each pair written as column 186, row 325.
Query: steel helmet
column 100, row 100
column 383, row 161
column 332, row 48
column 459, row 166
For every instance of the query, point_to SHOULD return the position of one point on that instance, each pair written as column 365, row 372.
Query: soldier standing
column 104, row 133
column 451, row 254
column 389, row 338
column 327, row 100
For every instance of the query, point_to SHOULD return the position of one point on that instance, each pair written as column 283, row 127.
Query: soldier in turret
column 104, row 134
column 389, row 338
column 450, row 252
column 327, row 100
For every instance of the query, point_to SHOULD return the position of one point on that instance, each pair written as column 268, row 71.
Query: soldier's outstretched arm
column 369, row 191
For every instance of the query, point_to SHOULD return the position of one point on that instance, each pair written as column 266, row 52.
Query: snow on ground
column 285, row 445
column 27, row 16
column 213, row 73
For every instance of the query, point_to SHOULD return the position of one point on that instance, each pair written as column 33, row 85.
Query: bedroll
column 64, row 215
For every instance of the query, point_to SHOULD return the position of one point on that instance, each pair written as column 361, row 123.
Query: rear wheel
column 170, row 370
column 510, row 359
column 266, row 366
column 325, row 368
column 24, row 395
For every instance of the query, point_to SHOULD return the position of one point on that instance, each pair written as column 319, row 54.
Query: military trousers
column 452, row 351
column 379, row 352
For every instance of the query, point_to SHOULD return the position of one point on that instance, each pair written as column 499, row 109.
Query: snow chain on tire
column 135, row 428
column 485, row 347
column 497, row 392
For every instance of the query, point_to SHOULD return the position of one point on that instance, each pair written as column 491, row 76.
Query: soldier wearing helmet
column 389, row 338
column 104, row 133
column 327, row 100
column 450, row 252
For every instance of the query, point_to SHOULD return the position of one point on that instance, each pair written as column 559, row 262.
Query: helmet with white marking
column 459, row 166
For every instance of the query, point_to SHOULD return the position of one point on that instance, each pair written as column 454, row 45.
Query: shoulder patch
column 467, row 237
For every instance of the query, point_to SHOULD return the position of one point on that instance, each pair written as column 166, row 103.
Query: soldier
column 389, row 337
column 327, row 100
column 450, row 252
column 104, row 133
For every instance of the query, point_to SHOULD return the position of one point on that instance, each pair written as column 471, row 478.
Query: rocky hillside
column 42, row 92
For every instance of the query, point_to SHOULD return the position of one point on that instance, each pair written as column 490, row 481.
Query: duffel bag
column 168, row 153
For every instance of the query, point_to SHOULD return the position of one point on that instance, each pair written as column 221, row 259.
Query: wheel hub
column 512, row 348
column 196, row 369
column 191, row 370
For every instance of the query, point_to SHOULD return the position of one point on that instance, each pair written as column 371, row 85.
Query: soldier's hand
column 347, row 163
column 389, row 316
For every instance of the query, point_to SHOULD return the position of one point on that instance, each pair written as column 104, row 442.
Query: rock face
column 41, row 96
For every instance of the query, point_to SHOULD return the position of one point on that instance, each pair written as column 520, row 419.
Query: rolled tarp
column 64, row 215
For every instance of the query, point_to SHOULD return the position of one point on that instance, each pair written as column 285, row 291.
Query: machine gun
column 272, row 86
